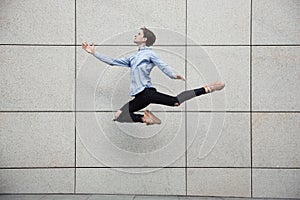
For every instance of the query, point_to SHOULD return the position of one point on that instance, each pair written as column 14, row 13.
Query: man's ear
column 144, row 39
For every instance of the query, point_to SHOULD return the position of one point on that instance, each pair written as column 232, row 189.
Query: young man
column 141, row 63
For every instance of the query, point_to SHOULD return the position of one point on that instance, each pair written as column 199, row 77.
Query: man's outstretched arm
column 111, row 61
column 169, row 71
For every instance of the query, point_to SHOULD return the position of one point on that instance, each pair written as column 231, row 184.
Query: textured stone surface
column 276, row 22
column 218, row 22
column 165, row 181
column 36, row 78
column 36, row 22
column 227, row 64
column 37, row 139
column 103, row 142
column 219, row 182
column 220, row 140
column 117, row 22
column 276, row 140
column 36, row 180
column 276, row 78
column 276, row 183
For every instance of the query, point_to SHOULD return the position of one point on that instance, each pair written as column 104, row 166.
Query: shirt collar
column 143, row 48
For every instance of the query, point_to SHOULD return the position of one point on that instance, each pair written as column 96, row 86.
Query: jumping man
column 141, row 63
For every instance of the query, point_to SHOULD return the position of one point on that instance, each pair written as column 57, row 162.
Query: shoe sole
column 153, row 117
column 216, row 86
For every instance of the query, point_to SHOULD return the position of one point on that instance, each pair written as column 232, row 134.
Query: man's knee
column 117, row 114
column 176, row 101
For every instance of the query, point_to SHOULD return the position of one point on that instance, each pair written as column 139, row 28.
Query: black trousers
column 150, row 95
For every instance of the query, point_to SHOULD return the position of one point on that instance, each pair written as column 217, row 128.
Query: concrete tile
column 276, row 140
column 218, row 140
column 218, row 22
column 111, row 197
column 214, row 198
column 36, row 180
column 59, row 197
column 222, row 198
column 103, row 142
column 219, row 182
column 156, row 198
column 200, row 198
column 115, row 197
column 35, row 22
column 276, row 183
column 21, row 197
column 37, row 139
column 227, row 64
column 36, row 78
column 117, row 22
column 167, row 181
column 276, row 78
column 103, row 87
column 276, row 22
column 66, row 197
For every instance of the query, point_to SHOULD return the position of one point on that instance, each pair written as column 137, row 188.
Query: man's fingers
column 179, row 77
column 84, row 44
column 87, row 47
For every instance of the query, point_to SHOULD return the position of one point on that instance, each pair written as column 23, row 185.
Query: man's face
column 139, row 38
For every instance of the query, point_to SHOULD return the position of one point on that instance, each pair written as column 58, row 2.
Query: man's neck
column 141, row 45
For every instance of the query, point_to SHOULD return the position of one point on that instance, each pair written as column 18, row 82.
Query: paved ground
column 112, row 197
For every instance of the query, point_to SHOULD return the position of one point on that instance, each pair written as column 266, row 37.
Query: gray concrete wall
column 57, row 101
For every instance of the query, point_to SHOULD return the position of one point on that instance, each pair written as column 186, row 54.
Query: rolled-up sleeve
column 125, row 62
column 165, row 68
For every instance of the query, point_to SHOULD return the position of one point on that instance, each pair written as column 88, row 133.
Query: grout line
column 185, row 104
column 35, row 111
column 168, row 45
column 152, row 167
column 75, row 94
column 158, row 111
column 143, row 195
column 251, row 151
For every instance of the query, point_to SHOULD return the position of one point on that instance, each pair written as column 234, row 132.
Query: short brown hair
column 149, row 35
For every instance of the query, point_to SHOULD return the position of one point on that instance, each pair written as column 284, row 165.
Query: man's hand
column 177, row 76
column 88, row 48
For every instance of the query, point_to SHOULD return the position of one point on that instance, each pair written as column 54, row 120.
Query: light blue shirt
column 141, row 63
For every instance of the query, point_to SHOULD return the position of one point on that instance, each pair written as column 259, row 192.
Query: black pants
column 150, row 95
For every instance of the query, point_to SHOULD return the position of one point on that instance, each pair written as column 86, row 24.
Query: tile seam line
column 185, row 104
column 75, row 95
column 154, row 167
column 251, row 100
column 157, row 111
column 156, row 195
column 180, row 45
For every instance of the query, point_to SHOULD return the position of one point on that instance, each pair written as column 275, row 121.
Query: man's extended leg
column 160, row 98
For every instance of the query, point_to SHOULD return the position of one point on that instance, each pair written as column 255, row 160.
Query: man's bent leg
column 127, row 111
column 124, row 115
